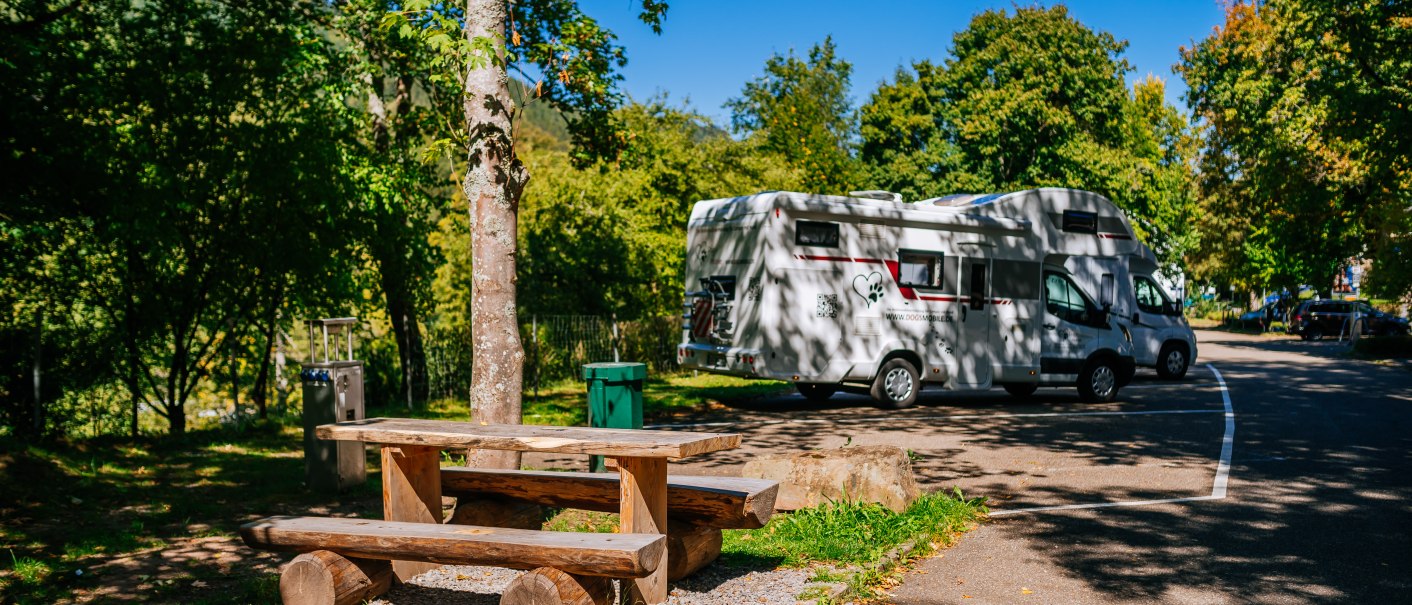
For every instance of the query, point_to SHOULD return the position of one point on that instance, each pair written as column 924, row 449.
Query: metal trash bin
column 333, row 392
column 614, row 398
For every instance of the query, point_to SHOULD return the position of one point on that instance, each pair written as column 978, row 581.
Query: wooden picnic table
column 411, row 467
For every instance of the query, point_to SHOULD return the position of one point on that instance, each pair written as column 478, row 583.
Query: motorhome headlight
column 1126, row 334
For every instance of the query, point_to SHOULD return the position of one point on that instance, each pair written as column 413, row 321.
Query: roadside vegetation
column 855, row 543
column 72, row 508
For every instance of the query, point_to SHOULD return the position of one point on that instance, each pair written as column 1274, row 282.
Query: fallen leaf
column 1024, row 590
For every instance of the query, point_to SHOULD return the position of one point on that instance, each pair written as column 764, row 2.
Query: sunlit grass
column 851, row 533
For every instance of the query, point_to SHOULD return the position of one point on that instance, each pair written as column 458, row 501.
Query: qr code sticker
column 827, row 306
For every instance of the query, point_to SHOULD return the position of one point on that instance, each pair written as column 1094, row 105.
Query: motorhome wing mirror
column 1137, row 318
column 1174, row 308
column 1105, row 291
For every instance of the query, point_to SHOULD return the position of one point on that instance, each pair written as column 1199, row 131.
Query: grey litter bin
column 333, row 392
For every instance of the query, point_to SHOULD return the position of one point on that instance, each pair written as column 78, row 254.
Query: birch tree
column 572, row 62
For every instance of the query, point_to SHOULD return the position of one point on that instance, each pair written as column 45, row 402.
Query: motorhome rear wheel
column 896, row 385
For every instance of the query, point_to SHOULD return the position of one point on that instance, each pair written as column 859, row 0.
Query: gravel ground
column 715, row 585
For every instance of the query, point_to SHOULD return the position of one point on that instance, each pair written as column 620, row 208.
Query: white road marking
column 1218, row 487
column 936, row 417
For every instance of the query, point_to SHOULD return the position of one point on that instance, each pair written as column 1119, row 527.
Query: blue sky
column 709, row 48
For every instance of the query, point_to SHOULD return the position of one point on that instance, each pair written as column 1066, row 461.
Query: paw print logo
column 869, row 287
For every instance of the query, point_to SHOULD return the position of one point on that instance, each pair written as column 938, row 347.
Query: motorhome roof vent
column 886, row 196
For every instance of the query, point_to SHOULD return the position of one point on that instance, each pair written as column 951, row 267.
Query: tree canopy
column 1305, row 148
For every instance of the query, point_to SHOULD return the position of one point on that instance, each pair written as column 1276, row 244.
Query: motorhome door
column 976, row 356
column 1067, row 327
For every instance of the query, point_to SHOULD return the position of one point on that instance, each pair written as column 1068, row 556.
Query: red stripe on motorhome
column 839, row 259
column 907, row 293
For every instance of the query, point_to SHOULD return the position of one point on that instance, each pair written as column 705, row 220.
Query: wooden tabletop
column 527, row 438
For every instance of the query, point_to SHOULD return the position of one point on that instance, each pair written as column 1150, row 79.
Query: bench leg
column 411, row 491
column 643, row 492
column 689, row 548
column 322, row 577
column 547, row 585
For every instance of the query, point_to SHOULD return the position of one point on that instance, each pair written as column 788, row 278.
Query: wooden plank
column 523, row 438
column 549, row 586
column 324, row 577
column 498, row 512
column 643, row 510
column 411, row 491
column 720, row 502
column 580, row 553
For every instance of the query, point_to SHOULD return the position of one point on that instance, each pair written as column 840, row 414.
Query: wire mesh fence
column 557, row 347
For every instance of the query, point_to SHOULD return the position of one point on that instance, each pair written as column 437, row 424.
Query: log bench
column 350, row 559
column 698, row 507
column 343, row 559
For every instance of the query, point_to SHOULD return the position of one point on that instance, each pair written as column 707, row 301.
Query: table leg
column 644, row 511
column 411, row 491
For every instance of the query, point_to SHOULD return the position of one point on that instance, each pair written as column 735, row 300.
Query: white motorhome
column 1124, row 272
column 879, row 295
column 1162, row 338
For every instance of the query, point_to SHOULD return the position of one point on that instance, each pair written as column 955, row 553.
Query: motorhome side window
column 1063, row 299
column 810, row 233
column 1149, row 297
column 918, row 269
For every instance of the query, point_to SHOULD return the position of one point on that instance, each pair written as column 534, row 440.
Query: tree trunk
column 281, row 383
column 402, row 308
column 38, row 391
column 494, row 179
column 176, row 419
column 262, row 378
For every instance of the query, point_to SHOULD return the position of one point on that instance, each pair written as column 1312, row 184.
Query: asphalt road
column 1315, row 505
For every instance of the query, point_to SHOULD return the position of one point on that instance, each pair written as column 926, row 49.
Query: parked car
column 1314, row 319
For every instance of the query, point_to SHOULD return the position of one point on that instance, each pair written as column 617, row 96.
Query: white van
column 882, row 296
column 1162, row 338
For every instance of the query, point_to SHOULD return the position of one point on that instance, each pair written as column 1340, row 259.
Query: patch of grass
column 583, row 521
column 135, row 538
column 851, row 533
column 28, row 570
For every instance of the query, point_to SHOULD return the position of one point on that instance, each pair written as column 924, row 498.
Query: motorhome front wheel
column 1098, row 382
column 1172, row 362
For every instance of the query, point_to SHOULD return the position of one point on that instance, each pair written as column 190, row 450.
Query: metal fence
column 557, row 347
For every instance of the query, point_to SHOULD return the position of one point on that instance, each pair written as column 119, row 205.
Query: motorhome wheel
column 816, row 393
column 896, row 385
column 1098, row 382
column 1021, row 389
column 1172, row 361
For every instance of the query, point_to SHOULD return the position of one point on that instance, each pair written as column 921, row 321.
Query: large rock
column 872, row 473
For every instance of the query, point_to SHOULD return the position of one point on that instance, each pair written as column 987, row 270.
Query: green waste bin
column 614, row 398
